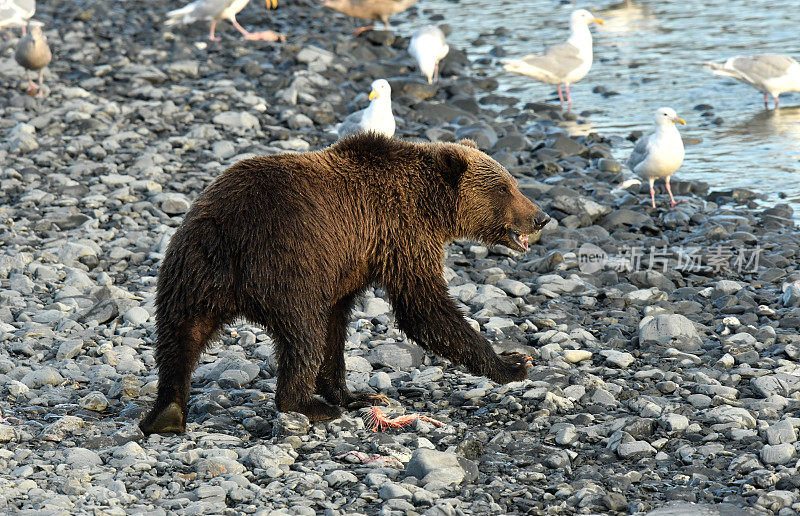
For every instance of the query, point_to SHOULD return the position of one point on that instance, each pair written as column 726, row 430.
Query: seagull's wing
column 755, row 69
column 640, row 152
column 554, row 65
column 13, row 13
column 761, row 67
column 197, row 10
column 351, row 124
column 8, row 15
column 27, row 8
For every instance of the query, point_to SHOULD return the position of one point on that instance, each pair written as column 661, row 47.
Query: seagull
column 768, row 73
column 215, row 10
column 564, row 63
column 428, row 47
column 376, row 117
column 661, row 153
column 15, row 13
column 34, row 54
column 369, row 9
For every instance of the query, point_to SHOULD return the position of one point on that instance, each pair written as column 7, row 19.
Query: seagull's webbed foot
column 33, row 88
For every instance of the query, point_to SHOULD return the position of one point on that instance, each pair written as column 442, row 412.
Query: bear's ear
column 452, row 165
column 468, row 143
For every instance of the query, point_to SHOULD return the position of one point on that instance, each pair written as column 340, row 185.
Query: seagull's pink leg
column 766, row 102
column 569, row 99
column 672, row 201
column 436, row 72
column 239, row 27
column 24, row 31
column 211, row 36
column 560, row 96
column 653, row 192
column 777, row 102
column 41, row 83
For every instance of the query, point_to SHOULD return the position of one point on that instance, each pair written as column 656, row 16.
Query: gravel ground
column 666, row 354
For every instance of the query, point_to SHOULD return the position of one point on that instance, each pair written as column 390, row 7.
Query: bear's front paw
column 513, row 367
column 168, row 420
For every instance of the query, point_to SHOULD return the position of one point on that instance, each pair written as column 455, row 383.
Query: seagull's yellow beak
column 679, row 121
column 272, row 4
column 593, row 20
column 373, row 94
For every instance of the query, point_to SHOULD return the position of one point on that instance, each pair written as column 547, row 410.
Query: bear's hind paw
column 315, row 410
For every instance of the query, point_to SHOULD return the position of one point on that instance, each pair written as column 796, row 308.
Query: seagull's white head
column 380, row 90
column 667, row 116
column 584, row 17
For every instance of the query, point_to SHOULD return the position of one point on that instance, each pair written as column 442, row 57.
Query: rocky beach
column 665, row 345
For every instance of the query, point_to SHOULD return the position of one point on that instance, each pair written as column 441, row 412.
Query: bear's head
column 489, row 205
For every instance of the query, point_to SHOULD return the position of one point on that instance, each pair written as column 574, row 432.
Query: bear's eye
column 503, row 189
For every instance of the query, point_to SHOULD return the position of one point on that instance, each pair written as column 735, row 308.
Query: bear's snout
column 540, row 220
column 526, row 218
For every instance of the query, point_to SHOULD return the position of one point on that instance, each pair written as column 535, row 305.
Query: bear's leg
column 331, row 383
column 427, row 314
column 177, row 352
column 299, row 351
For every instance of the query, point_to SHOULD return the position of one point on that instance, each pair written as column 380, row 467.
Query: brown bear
column 291, row 241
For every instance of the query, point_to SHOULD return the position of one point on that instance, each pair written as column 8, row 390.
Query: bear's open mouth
column 519, row 239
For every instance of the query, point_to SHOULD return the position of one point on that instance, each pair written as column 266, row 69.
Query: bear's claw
column 366, row 399
column 169, row 420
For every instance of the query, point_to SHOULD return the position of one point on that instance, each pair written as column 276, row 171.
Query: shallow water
column 651, row 54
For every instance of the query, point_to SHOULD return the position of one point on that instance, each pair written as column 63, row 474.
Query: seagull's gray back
column 559, row 60
column 351, row 124
column 761, row 67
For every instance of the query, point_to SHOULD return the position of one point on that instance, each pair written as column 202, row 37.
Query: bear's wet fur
column 291, row 241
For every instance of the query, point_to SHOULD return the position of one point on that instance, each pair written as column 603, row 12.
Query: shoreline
column 654, row 381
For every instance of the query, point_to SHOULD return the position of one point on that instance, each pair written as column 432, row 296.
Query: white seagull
column 661, row 153
column 16, row 13
column 215, row 10
column 768, row 73
column 564, row 63
column 376, row 117
column 428, row 47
